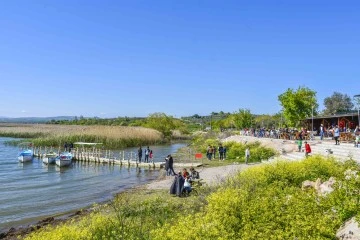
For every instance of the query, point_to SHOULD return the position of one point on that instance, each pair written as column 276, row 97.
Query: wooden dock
column 102, row 156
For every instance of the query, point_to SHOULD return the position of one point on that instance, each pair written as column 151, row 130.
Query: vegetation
column 235, row 151
column 337, row 103
column 112, row 137
column 297, row 105
column 263, row 202
column 267, row 202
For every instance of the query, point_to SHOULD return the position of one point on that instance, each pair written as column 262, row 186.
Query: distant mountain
column 34, row 119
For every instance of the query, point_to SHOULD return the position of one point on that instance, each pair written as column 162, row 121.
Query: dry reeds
column 55, row 135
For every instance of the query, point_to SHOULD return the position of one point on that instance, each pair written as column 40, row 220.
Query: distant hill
column 34, row 119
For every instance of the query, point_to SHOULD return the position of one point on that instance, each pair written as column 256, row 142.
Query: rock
column 321, row 188
column 327, row 187
column 46, row 220
column 350, row 230
column 307, row 184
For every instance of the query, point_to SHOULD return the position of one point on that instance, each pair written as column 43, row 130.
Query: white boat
column 50, row 158
column 64, row 159
column 25, row 155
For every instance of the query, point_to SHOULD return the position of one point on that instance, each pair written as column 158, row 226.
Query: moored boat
column 25, row 155
column 64, row 159
column 50, row 158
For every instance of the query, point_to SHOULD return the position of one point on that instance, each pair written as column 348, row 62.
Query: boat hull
column 49, row 159
column 25, row 156
column 64, row 160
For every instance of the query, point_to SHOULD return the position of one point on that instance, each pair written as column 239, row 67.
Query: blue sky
column 133, row 58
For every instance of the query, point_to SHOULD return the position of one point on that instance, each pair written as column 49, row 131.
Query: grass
column 112, row 137
column 263, row 202
column 132, row 215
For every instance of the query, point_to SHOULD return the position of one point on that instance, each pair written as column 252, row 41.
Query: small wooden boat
column 50, row 157
column 64, row 159
column 25, row 155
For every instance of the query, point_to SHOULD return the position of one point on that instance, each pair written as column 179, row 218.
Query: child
column 357, row 140
column 299, row 143
column 187, row 185
column 307, row 149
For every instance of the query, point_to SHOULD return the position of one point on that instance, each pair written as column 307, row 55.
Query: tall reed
column 112, row 137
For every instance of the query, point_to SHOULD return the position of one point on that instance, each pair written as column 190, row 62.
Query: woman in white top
column 187, row 185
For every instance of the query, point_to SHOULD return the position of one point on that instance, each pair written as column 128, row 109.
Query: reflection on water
column 33, row 189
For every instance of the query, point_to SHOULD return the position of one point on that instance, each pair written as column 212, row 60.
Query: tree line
column 297, row 105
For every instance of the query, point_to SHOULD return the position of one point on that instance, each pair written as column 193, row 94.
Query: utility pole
column 312, row 122
column 357, row 100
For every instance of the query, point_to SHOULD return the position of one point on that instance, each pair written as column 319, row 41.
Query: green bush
column 236, row 151
column 267, row 202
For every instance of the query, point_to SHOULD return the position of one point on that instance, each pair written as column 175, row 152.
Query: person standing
column 147, row 152
column 171, row 165
column 247, row 155
column 140, row 154
column 224, row 150
column 209, row 152
column 336, row 135
column 299, row 143
column 321, row 132
column 167, row 169
column 66, row 147
column 151, row 156
column 307, row 149
column 221, row 152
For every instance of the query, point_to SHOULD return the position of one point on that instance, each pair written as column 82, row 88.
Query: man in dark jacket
column 171, row 165
column 177, row 186
column 140, row 153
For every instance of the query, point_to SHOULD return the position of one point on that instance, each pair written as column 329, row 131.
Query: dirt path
column 210, row 176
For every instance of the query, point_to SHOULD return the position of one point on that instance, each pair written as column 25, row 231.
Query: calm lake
column 32, row 191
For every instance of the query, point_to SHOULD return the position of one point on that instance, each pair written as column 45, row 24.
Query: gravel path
column 210, row 176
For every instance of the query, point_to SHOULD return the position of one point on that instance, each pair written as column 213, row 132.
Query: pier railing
column 100, row 156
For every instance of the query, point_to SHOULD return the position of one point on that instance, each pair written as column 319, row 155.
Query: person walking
column 247, row 155
column 336, row 135
column 299, row 143
column 171, row 165
column 307, row 149
column 140, row 154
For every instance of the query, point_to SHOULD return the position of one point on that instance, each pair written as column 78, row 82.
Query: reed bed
column 112, row 137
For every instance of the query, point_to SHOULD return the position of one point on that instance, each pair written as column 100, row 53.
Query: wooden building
column 347, row 120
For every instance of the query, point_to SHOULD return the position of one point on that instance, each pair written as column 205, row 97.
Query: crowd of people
column 148, row 155
column 183, row 181
column 211, row 152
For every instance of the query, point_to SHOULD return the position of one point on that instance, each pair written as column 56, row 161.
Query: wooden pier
column 101, row 156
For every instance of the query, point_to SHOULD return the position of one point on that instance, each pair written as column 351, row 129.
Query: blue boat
column 25, row 155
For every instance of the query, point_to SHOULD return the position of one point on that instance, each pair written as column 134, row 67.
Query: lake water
column 32, row 191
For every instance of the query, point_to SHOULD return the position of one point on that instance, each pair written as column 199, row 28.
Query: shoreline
column 210, row 175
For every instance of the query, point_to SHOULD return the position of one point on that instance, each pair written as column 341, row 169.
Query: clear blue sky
column 133, row 58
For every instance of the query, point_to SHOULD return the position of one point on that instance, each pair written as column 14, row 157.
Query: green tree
column 161, row 122
column 243, row 118
column 298, row 105
column 267, row 121
column 337, row 103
